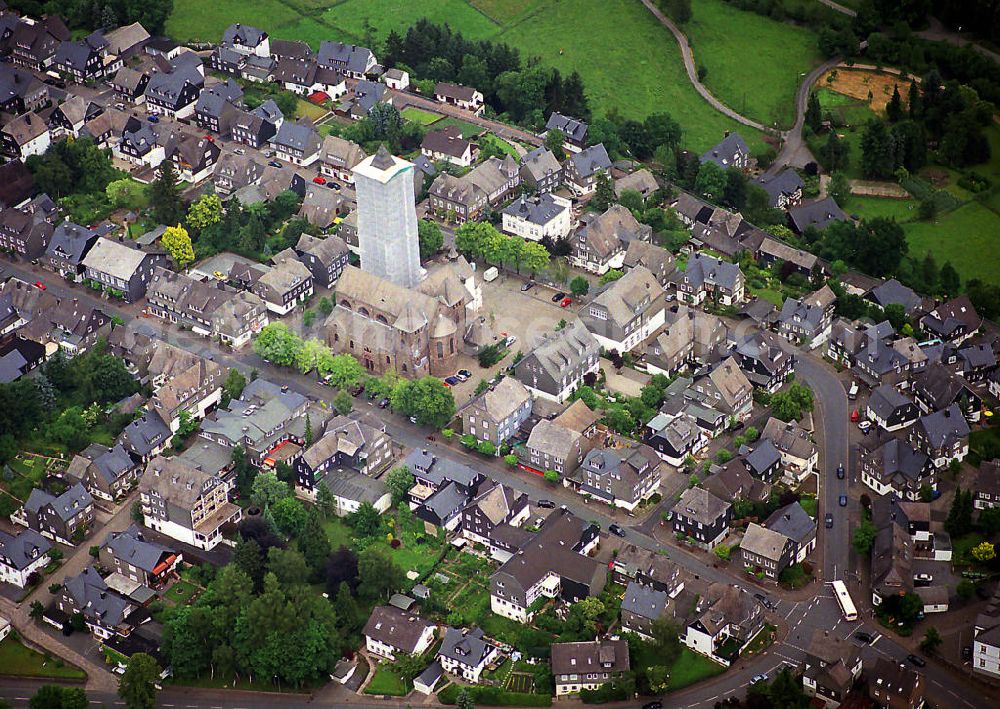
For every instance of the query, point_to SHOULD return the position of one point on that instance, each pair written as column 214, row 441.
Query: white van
column 490, row 274
column 852, row 393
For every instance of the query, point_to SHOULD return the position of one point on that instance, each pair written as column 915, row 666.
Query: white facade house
column 22, row 555
column 397, row 79
column 391, row 631
column 534, row 219
column 986, row 652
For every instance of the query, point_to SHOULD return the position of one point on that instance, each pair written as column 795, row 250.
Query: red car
column 319, row 180
column 39, row 285
column 565, row 302
column 855, row 416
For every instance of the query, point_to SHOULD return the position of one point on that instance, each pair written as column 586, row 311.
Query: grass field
column 19, row 661
column 751, row 82
column 965, row 237
column 691, row 667
column 901, row 210
column 195, row 21
column 310, row 110
column 400, row 15
column 850, row 116
column 386, row 681
column 416, row 115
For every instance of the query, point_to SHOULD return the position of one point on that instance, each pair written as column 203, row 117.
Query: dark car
column 864, row 637
column 653, row 705
column 829, row 521
column 843, row 500
column 967, row 653
column 452, row 381
column 527, row 286
column 840, row 471
column 558, row 296
column 153, row 119
column 617, row 530
column 274, row 163
column 383, row 403
column 357, row 390
column 546, row 504
column 916, row 660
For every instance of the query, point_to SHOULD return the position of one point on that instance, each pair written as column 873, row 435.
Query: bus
column 844, row 600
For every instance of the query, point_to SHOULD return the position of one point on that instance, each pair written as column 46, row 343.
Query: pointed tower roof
column 382, row 160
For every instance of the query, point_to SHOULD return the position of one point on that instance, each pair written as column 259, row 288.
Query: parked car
column 864, row 637
column 509, row 342
column 967, row 653
column 843, row 500
column 923, row 579
column 527, row 286
column 413, row 419
column 39, row 285
column 617, row 530
column 274, row 163
column 852, row 393
column 357, row 390
column 865, row 426
column 153, row 119
column 452, row 381
column 565, row 302
column 653, row 705
column 758, row 678
column 464, row 373
column 840, row 471
column 546, row 504
column 319, row 180
column 383, row 403
column 916, row 660
column 558, row 296
column 829, row 521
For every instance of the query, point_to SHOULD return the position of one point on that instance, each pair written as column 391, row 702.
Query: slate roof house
column 60, row 517
column 360, row 445
column 21, row 91
column 107, row 473
column 363, row 98
column 588, row 665
column 725, row 388
column 24, row 233
column 600, row 243
column 185, row 503
column 784, row 188
column 218, row 106
column 122, row 268
column 574, row 131
column 799, row 454
column 146, row 437
column 659, row 261
column 34, row 45
column 558, row 444
column 461, row 96
column 541, row 171
column 130, row 554
column 325, row 258
column 818, row 215
column 674, row 438
column 448, row 145
column 104, row 611
column 495, row 506
column 21, row 555
column 87, row 59
column 766, row 551
column 557, row 365
column 893, row 685
column 731, row 151
column 581, row 169
column 647, row 568
column 130, row 85
column 701, row 516
column 937, row 387
column 350, row 60
column 339, row 158
column 626, row 312
column 832, row 665
column 728, row 620
column 24, row 136
column 955, row 321
column 174, row 93
column 619, row 477
column 641, row 607
column 297, row 143
column 709, row 278
column 892, row 292
column 943, row 436
column 880, row 362
column 793, row 522
column 287, row 284
column 889, row 409
column 497, row 414
column 489, row 184
column 690, row 336
column 257, row 127
column 555, row 563
column 809, row 320
column 536, row 218
column 391, row 631
column 466, row 653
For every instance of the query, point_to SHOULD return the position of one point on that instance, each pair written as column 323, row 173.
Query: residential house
column 130, row 85
column 897, row 363
column 727, row 389
column 146, row 437
column 832, row 665
column 34, row 44
column 246, row 40
column 541, row 171
column 174, row 93
column 619, row 477
column 218, row 106
column 322, row 207
column 555, row 563
column 284, row 286
column 808, row 321
column 210, row 309
column 580, row 170
column 496, row 505
column 889, row 409
column 339, row 158
column 24, row 233
column 297, row 143
column 729, row 618
column 784, row 188
column 391, row 631
column 121, row 268
column 351, row 61
column 70, row 117
column 943, row 436
column 21, row 92
column 707, row 278
column 690, row 337
column 104, row 611
column 140, row 144
column 627, row 312
column 133, row 556
column 17, row 184
column 937, row 387
column 701, row 516
column 185, row 503
column 763, row 461
column 799, row 454
column 794, row 523
column 976, row 362
column 955, row 321
column 537, row 218
column 892, row 292
column 257, row 127
column 648, row 569
column 558, row 364
column 107, row 473
column 890, row 465
column 18, row 357
column 22, row 555
column 497, row 414
column 87, row 59
column 466, row 653
column 764, row 551
column 641, row 181
column 818, row 215
column 893, row 685
column 360, row 445
column 363, row 98
column 659, row 261
column 194, row 389
column 351, row 489
column 553, row 446
column 892, row 561
column 396, row 79
column 443, row 488
column 674, row 438
column 487, row 185
column 464, row 97
column 731, row 151
column 127, row 41
column 764, row 361
column 847, row 340
column 573, row 130
column 325, row 258
column 600, row 243
column 986, row 486
column 63, row 518
column 234, row 171
column 24, row 136
column 448, row 145
column 588, row 665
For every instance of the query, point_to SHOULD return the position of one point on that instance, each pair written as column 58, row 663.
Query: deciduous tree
column 177, row 242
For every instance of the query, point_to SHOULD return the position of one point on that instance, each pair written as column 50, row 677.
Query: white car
column 865, row 426
column 923, row 578
column 758, row 678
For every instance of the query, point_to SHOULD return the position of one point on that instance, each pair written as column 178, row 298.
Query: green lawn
column 181, row 592
column 691, row 667
column 400, row 15
column 338, row 533
column 636, row 68
column 965, row 237
column 386, row 681
column 310, row 110
column 772, row 296
column 503, row 11
column 492, row 140
column 469, row 130
column 756, row 83
column 19, row 661
column 902, row 210
column 195, row 21
column 417, row 115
